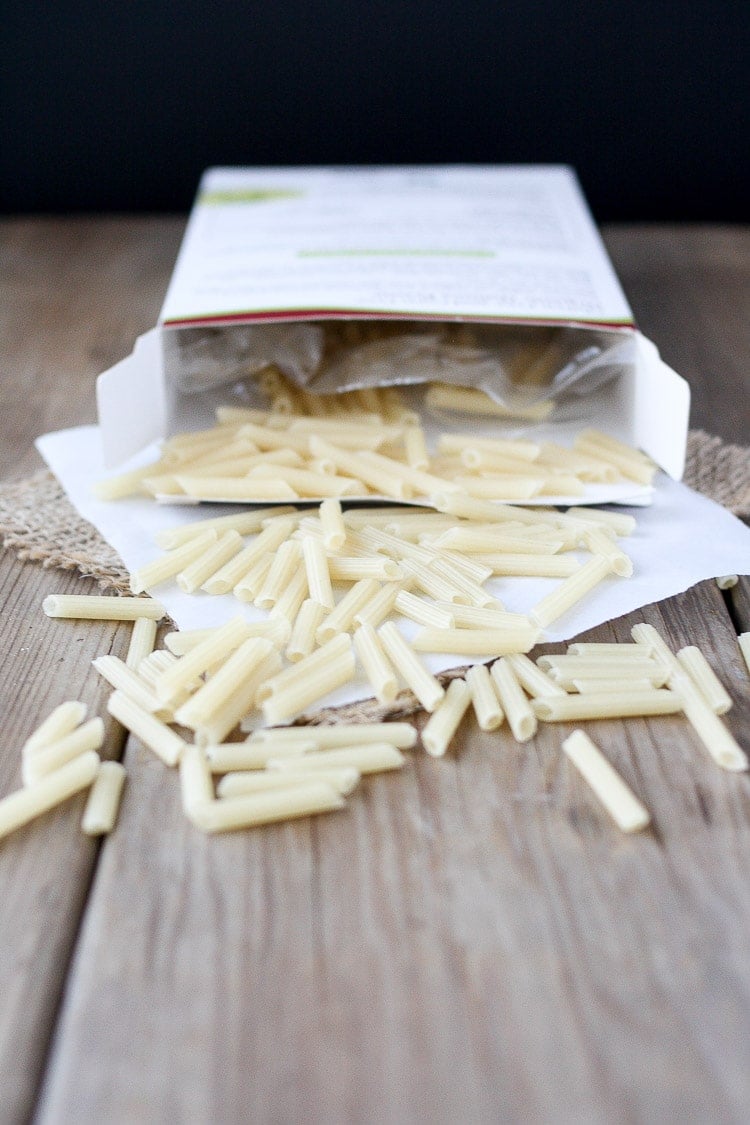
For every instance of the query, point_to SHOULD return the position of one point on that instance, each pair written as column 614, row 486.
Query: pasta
column 446, row 718
column 26, row 804
column 254, row 809
column 373, row 757
column 47, row 759
column 705, row 679
column 377, row 667
column 209, row 562
column 103, row 801
column 210, row 651
column 332, row 525
column 518, row 711
column 401, row 735
column 155, row 735
column 168, row 565
column 116, row 673
column 606, row 705
column 142, row 641
column 476, row 642
column 230, row 677
column 489, row 714
column 64, row 719
column 307, row 623
column 424, row 685
column 571, row 591
column 626, row 810
column 344, row 780
column 89, row 607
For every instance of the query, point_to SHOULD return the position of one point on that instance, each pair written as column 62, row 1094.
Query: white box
column 484, row 246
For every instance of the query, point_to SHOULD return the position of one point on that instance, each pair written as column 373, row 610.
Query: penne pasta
column 489, row 714
column 518, row 711
column 88, row 607
column 438, row 732
column 476, row 642
column 705, row 679
column 142, row 641
column 424, row 685
column 332, row 524
column 304, row 633
column 25, row 805
column 155, row 735
column 626, row 810
column 401, row 735
column 376, row 665
column 47, row 759
column 255, row 809
column 318, row 574
column 344, row 780
column 103, row 802
column 64, row 719
column 606, row 705
column 571, row 591
column 373, row 757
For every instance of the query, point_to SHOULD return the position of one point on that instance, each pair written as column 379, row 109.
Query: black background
column 120, row 105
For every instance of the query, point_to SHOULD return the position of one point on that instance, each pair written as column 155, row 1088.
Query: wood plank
column 62, row 318
column 471, row 940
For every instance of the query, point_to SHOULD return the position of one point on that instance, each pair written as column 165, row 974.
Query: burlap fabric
column 38, row 523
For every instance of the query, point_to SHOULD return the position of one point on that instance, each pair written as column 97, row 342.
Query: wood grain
column 471, row 940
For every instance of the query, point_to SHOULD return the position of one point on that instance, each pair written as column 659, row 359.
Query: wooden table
column 472, row 941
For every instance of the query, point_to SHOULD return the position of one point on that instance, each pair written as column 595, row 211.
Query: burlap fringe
column 38, row 523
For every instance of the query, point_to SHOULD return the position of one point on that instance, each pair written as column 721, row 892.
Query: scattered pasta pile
column 368, row 443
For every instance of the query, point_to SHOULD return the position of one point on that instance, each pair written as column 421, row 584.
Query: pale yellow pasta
column 153, row 665
column 486, row 541
column 518, row 711
column 423, row 612
column 607, row 705
column 89, row 607
column 233, row 571
column 337, row 646
column 476, row 642
column 401, row 735
column 142, row 641
column 226, row 680
column 373, row 757
column 358, row 435
column 488, row 460
column 438, row 732
column 705, row 679
column 212, row 650
column 103, row 803
column 532, row 565
column 251, row 583
column 489, row 714
column 600, row 543
column 606, row 441
column 606, row 650
column 228, row 756
column 234, row 488
column 125, row 484
column 340, row 619
column 332, row 523
column 26, row 804
column 47, row 759
column 265, row 437
column 571, row 591
column 504, row 487
column 213, row 559
column 628, row 466
column 727, row 581
column 353, row 465
column 183, row 641
column 617, row 522
column 585, row 467
column 239, row 705
column 471, row 508
column 196, row 782
column 433, row 584
column 743, row 641
column 415, row 448
column 563, row 671
column 472, row 591
column 307, row 483
column 651, row 640
column 626, row 810
column 284, row 566
column 251, row 810
column 346, row 569
column 486, row 617
column 715, row 736
column 293, row 698
column 154, row 734
column 64, row 719
column 457, row 443
column 124, row 679
column 377, row 667
column 344, row 780
column 467, row 400
column 318, row 574
column 593, row 684
column 422, row 682
column 229, row 415
column 170, row 564
column 419, row 481
column 473, row 568
column 306, row 625
column 532, row 678
column 290, row 602
column 376, row 610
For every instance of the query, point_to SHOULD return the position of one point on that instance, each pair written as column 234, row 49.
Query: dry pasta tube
column 352, row 464
column 423, row 612
column 196, row 782
column 169, row 565
column 600, row 543
column 155, row 735
column 521, row 718
column 153, row 665
column 251, row 583
column 471, row 590
column 226, row 757
column 234, row 488
column 743, row 641
column 714, row 735
column 338, row 646
column 102, row 806
column 318, row 574
column 628, row 813
column 422, row 682
column 52, row 757
column 292, row 699
column 608, row 663
column 376, row 665
column 64, row 719
column 618, row 675
column 532, row 678
column 467, row 400
column 705, row 679
column 607, row 705
column 344, row 780
column 443, row 723
column 85, row 607
column 588, row 685
column 254, row 809
column 343, row 569
column 246, row 523
column 376, row 610
column 308, row 620
column 374, row 757
column 485, row 540
column 341, row 618
column 401, row 735
column 290, row 602
column 476, row 642
column 489, row 714
column 506, row 487
column 457, row 443
column 215, row 648
column 332, row 523
column 305, row 482
column 605, row 650
column 124, row 679
column 209, row 562
column 230, row 677
column 238, row 706
column 571, row 591
column 618, row 523
column 142, row 641
column 532, row 565
column 26, row 804
column 284, row 566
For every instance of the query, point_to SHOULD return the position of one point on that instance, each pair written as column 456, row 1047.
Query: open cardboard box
column 480, row 246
